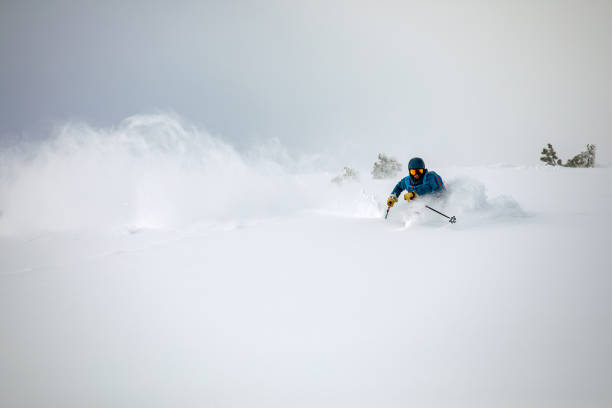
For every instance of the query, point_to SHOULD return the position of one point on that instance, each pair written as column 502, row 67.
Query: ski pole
column 388, row 208
column 452, row 219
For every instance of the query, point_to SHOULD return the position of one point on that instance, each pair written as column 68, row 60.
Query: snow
column 154, row 265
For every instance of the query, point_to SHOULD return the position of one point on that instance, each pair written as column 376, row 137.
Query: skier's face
column 416, row 173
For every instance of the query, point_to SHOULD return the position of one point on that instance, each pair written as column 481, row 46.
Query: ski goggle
column 414, row 171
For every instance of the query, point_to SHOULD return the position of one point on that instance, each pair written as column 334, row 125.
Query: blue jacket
column 430, row 183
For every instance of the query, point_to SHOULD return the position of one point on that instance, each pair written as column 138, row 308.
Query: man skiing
column 419, row 182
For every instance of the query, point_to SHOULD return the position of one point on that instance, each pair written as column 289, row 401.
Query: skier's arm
column 399, row 187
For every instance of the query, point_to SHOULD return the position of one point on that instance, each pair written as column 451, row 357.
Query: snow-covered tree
column 348, row 174
column 385, row 167
column 549, row 156
column 583, row 159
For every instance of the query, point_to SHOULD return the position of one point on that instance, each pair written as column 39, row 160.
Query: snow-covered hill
column 153, row 265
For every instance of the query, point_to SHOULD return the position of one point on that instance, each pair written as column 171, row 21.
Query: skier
column 419, row 182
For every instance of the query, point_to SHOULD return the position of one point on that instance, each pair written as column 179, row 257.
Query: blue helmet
column 416, row 163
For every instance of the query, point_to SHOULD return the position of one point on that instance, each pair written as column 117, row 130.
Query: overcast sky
column 457, row 82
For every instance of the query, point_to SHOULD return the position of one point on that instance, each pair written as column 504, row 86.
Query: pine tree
column 549, row 156
column 385, row 167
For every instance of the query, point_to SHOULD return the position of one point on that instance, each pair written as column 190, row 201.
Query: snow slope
column 153, row 265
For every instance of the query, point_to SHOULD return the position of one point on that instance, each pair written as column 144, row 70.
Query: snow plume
column 149, row 171
column 469, row 199
column 158, row 172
